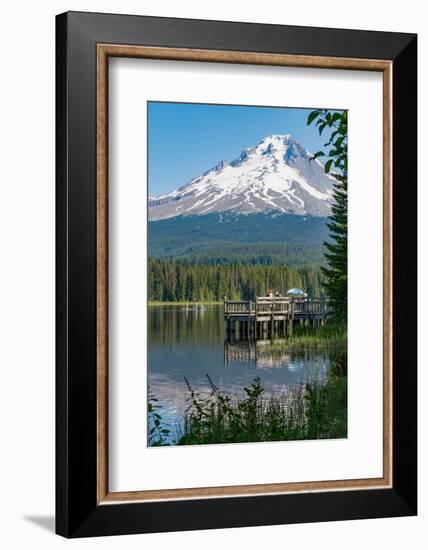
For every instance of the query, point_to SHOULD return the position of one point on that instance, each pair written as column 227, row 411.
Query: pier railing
column 265, row 305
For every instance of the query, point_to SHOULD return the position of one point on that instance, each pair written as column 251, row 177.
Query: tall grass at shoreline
column 310, row 410
column 323, row 337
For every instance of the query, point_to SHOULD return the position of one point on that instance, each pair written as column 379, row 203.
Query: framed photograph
column 236, row 274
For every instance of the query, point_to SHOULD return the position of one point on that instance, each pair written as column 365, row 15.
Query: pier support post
column 268, row 317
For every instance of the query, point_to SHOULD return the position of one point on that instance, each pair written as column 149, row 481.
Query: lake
column 187, row 343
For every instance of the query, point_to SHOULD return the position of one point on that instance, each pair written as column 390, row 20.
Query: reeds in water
column 313, row 409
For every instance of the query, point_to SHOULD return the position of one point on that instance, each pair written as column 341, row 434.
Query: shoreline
column 156, row 303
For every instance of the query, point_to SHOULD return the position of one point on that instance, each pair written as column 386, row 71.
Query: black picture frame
column 77, row 511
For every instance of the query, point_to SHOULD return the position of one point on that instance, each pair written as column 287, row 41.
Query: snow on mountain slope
column 276, row 175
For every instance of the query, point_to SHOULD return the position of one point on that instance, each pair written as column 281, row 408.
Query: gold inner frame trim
column 104, row 51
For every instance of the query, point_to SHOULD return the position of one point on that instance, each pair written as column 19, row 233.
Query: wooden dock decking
column 267, row 317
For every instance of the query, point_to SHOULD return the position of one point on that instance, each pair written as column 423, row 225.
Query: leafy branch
column 337, row 122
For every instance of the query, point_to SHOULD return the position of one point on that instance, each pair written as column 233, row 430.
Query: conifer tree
column 336, row 254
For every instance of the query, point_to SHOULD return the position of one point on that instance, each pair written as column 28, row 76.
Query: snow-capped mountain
column 275, row 176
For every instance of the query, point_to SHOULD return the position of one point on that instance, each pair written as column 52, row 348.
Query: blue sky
column 186, row 139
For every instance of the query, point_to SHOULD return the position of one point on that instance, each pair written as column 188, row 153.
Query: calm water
column 186, row 343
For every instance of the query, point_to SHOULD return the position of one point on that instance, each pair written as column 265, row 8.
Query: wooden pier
column 268, row 317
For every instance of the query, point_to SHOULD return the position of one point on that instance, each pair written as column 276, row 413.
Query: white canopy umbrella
column 296, row 293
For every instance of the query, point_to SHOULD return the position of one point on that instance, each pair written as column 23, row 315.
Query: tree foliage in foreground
column 336, row 251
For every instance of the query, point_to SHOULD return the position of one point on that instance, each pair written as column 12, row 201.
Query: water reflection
column 265, row 354
column 190, row 343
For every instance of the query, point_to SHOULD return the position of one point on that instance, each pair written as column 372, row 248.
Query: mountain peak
column 275, row 175
column 276, row 138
